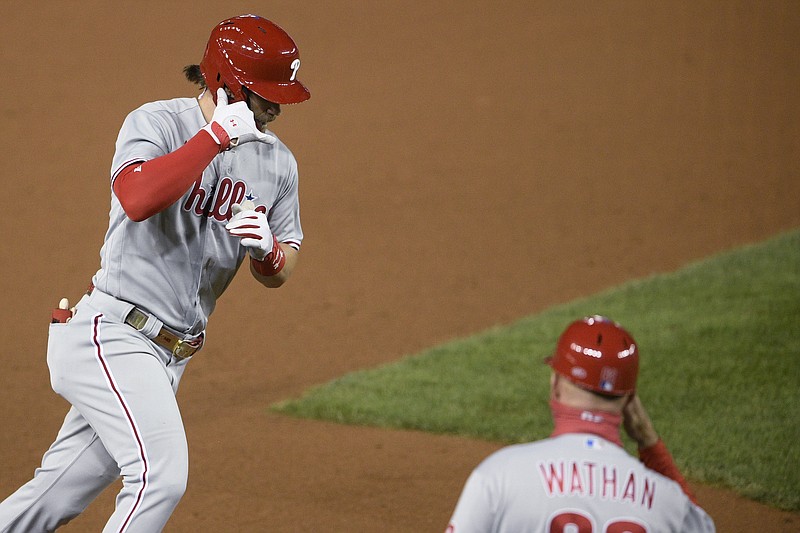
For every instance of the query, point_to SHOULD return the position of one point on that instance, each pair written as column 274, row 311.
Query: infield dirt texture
column 462, row 164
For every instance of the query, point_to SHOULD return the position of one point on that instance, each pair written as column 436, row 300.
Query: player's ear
column 231, row 98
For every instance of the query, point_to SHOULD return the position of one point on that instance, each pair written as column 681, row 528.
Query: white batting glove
column 234, row 124
column 252, row 228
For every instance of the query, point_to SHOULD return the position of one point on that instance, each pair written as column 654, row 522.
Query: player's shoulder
column 173, row 105
column 169, row 109
column 169, row 120
column 176, row 109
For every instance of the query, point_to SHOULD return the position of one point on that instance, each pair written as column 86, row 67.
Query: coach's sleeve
column 697, row 521
column 476, row 507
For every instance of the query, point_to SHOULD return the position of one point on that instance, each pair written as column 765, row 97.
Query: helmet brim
column 281, row 93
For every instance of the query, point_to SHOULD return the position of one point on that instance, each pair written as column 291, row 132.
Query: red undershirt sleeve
column 658, row 458
column 144, row 189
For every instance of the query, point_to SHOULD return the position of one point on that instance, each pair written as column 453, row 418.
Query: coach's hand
column 637, row 423
column 234, row 124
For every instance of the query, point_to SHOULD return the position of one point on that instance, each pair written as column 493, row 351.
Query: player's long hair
column 193, row 74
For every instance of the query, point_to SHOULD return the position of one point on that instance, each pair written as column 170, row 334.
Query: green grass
column 720, row 372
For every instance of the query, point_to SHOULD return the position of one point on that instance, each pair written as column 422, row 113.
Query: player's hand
column 252, row 228
column 234, row 124
column 637, row 423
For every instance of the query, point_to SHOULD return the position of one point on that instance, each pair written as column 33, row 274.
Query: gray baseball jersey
column 176, row 265
column 576, row 482
column 124, row 419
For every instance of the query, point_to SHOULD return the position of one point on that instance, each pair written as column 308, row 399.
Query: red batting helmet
column 252, row 52
column 597, row 354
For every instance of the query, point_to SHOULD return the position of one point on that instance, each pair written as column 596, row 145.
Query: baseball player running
column 580, row 479
column 199, row 186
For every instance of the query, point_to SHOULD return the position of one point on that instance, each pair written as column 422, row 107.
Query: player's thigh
column 119, row 383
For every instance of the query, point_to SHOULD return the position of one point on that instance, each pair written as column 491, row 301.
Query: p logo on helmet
column 597, row 354
column 250, row 52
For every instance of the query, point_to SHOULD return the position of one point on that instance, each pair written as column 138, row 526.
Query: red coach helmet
column 252, row 52
column 597, row 354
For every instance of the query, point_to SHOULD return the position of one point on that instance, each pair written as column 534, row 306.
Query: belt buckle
column 187, row 348
column 136, row 319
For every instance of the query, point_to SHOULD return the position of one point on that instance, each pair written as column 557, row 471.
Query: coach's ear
column 555, row 393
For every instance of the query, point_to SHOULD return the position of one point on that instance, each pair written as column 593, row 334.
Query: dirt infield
column 462, row 165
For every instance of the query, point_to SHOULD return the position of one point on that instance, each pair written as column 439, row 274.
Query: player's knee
column 170, row 478
column 165, row 476
column 172, row 489
column 163, row 487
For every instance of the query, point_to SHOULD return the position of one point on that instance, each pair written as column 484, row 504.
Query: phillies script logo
column 218, row 203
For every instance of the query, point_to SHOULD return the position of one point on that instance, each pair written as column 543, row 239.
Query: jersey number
column 574, row 521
